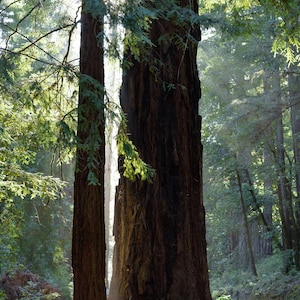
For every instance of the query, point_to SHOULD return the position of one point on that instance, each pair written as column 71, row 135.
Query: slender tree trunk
column 284, row 186
column 267, row 223
column 294, row 93
column 160, row 250
column 88, row 248
column 268, row 233
column 246, row 225
column 107, row 197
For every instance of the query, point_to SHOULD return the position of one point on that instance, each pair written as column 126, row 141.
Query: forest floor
column 26, row 285
column 270, row 284
column 282, row 288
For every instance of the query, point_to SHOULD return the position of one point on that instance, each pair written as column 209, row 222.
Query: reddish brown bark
column 160, row 250
column 88, row 248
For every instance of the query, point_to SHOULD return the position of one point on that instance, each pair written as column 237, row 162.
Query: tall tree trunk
column 107, row 198
column 88, row 248
column 160, row 250
column 268, row 233
column 267, row 223
column 294, row 93
column 246, row 225
column 284, row 187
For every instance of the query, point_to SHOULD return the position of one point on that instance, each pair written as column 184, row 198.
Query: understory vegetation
column 271, row 282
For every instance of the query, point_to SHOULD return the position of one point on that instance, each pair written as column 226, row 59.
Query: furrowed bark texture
column 160, row 250
column 88, row 248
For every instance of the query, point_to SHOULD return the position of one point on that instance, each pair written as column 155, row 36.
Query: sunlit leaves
column 133, row 166
column 36, row 93
column 236, row 4
column 136, row 19
column 246, row 17
column 287, row 46
column 14, row 181
column 97, row 102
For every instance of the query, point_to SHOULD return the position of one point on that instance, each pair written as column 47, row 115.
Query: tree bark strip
column 246, row 225
column 88, row 245
column 294, row 95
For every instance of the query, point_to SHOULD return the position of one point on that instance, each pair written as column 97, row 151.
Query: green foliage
column 37, row 103
column 133, row 166
column 244, row 17
column 136, row 18
column 17, row 179
column 96, row 8
column 271, row 281
column 288, row 45
column 90, row 128
column 45, row 240
column 98, row 102
column 2, row 295
column 30, row 292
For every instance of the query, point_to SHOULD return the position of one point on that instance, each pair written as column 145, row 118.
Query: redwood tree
column 160, row 250
column 88, row 248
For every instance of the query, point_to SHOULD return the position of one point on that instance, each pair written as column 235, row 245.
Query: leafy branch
column 133, row 166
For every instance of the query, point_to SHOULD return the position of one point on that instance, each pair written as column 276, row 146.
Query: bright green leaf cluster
column 134, row 167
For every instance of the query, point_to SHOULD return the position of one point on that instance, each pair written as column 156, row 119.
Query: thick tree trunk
column 88, row 248
column 160, row 250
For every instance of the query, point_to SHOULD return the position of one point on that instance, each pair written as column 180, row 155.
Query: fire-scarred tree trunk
column 88, row 248
column 160, row 250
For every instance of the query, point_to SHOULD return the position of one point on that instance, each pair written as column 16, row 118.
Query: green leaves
column 94, row 92
column 15, row 182
column 243, row 17
column 288, row 45
column 95, row 7
column 133, row 166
